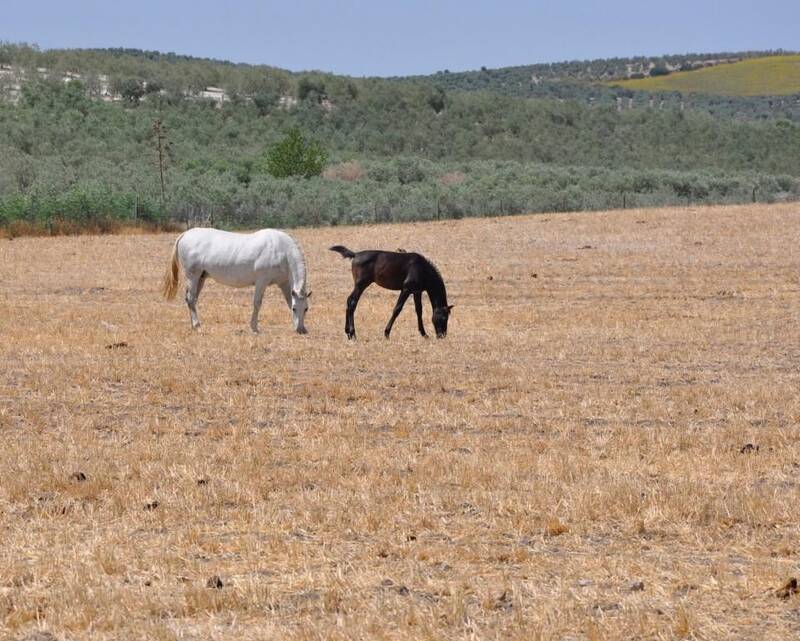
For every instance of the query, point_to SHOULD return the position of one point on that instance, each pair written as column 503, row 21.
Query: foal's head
column 440, row 316
column 299, row 309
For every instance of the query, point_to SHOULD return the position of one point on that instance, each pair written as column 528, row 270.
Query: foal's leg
column 352, row 302
column 194, row 285
column 418, row 309
column 258, row 297
column 401, row 300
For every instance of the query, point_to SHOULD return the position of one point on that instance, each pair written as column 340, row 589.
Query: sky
column 405, row 37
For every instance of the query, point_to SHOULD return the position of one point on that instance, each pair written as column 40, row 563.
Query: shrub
column 130, row 89
column 296, row 156
column 265, row 102
column 409, row 171
column 659, row 70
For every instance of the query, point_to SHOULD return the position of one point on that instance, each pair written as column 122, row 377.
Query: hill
column 77, row 146
column 587, row 70
column 118, row 75
column 773, row 75
column 604, row 82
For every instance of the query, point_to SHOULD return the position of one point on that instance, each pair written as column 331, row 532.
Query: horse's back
column 233, row 258
column 388, row 269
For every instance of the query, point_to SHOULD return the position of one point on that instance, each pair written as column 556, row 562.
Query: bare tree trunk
column 160, row 135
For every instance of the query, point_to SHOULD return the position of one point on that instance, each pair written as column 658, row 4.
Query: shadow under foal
column 405, row 271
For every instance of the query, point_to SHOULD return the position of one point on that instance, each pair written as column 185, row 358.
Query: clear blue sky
column 405, row 37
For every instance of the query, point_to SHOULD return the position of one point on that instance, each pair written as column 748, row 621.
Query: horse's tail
column 170, row 285
column 346, row 253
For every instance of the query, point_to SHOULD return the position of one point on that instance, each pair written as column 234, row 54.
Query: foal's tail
column 170, row 285
column 346, row 253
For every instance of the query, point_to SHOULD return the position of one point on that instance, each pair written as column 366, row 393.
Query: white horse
column 266, row 257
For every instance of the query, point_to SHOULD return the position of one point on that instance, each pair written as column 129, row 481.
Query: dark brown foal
column 408, row 272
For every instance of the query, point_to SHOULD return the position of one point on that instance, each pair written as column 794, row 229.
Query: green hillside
column 768, row 76
column 86, row 135
column 600, row 83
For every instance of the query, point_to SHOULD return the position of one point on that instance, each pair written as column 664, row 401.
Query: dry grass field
column 606, row 446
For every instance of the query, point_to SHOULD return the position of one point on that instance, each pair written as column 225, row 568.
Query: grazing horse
column 266, row 257
column 409, row 272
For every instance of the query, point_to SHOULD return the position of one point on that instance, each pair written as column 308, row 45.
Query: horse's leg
column 200, row 284
column 352, row 302
column 418, row 309
column 258, row 297
column 401, row 300
column 194, row 285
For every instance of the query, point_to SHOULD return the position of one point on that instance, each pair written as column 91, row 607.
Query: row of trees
column 143, row 62
column 517, row 83
column 383, row 190
column 592, row 70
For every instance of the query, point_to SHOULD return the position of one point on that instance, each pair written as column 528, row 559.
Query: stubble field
column 606, row 446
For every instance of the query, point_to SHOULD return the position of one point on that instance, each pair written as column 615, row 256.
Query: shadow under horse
column 408, row 272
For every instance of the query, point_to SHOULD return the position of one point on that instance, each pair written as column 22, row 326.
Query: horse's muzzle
column 441, row 334
column 301, row 330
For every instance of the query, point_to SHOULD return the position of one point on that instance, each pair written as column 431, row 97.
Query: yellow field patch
column 606, row 445
column 768, row 76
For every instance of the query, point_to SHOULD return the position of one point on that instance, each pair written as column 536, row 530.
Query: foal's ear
column 450, row 308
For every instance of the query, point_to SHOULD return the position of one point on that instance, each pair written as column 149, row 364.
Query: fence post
column 754, row 193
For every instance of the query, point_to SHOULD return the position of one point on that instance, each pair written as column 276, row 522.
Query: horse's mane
column 437, row 288
column 303, row 262
column 302, row 258
column 435, row 269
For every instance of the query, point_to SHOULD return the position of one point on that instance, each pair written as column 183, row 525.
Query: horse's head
column 440, row 316
column 299, row 309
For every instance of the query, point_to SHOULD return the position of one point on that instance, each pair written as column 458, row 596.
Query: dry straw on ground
column 604, row 447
